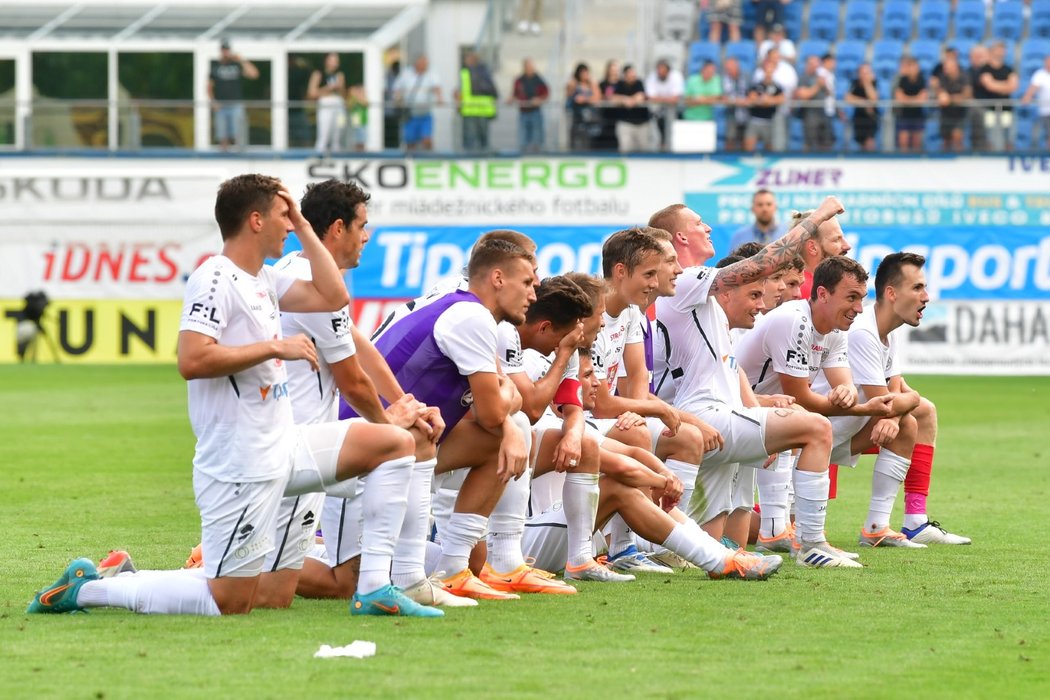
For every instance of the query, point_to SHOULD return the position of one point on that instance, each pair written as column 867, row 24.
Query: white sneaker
column 429, row 592
column 930, row 532
column 819, row 555
column 631, row 561
column 593, row 571
column 671, row 560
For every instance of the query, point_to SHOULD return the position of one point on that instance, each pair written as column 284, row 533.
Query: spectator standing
column 357, row 107
column 734, row 94
column 768, row 14
column 997, row 81
column 764, row 229
column 813, row 91
column 778, row 40
column 978, row 134
column 606, row 139
column 953, row 91
column 727, row 13
column 417, row 90
column 391, row 110
column 911, row 94
column 664, row 87
column 703, row 90
column 764, row 96
column 581, row 94
column 328, row 88
column 477, row 99
column 864, row 95
column 226, row 90
column 633, row 130
column 1039, row 88
column 530, row 93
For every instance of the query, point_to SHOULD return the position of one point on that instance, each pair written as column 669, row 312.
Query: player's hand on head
column 299, row 222
column 572, row 339
column 297, row 347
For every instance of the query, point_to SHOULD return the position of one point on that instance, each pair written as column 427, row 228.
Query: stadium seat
column 811, row 47
column 824, row 20
column 744, row 51
column 933, row 19
column 927, row 52
column 962, row 47
column 860, row 20
column 700, row 51
column 969, row 19
column 792, row 14
column 1039, row 22
column 1008, row 20
column 677, row 20
column 848, row 55
column 887, row 49
column 1035, row 48
column 897, row 20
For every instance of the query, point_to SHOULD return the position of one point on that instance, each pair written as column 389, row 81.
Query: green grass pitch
column 97, row 458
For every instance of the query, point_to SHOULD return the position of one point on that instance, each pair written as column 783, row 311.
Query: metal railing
column 988, row 126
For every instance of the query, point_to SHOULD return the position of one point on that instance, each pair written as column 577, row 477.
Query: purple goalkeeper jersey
column 419, row 365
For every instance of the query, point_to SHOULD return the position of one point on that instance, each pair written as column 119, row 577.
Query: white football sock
column 914, row 520
column 459, row 537
column 886, row 479
column 177, row 592
column 697, row 547
column 811, row 504
column 773, row 496
column 410, row 550
column 686, row 473
column 383, row 505
column 619, row 535
column 579, row 497
column 507, row 525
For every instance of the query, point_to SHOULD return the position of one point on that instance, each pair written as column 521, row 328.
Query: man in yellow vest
column 477, row 102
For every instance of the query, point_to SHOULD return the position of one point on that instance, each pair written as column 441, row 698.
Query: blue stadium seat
column 811, row 47
column 824, row 20
column 933, row 19
column 897, row 20
column 962, row 47
column 1035, row 48
column 969, row 19
column 889, row 49
column 792, row 13
column 927, row 52
column 1039, row 22
column 700, row 51
column 860, row 20
column 848, row 55
column 743, row 51
column 1008, row 20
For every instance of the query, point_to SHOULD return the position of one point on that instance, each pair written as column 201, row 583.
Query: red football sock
column 833, row 475
column 917, row 481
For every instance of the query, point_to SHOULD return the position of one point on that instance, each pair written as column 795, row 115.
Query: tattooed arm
column 776, row 254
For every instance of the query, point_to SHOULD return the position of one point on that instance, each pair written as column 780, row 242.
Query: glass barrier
column 556, row 127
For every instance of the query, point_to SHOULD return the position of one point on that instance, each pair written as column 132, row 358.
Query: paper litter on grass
column 357, row 650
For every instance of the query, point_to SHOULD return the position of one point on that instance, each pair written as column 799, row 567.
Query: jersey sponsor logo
column 340, row 323
column 204, row 311
column 797, row 358
column 514, row 357
column 278, row 391
column 467, row 400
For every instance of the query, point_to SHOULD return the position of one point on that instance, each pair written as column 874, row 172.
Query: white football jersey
column 243, row 421
column 607, row 351
column 787, row 343
column 315, row 396
column 701, row 357
column 871, row 362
